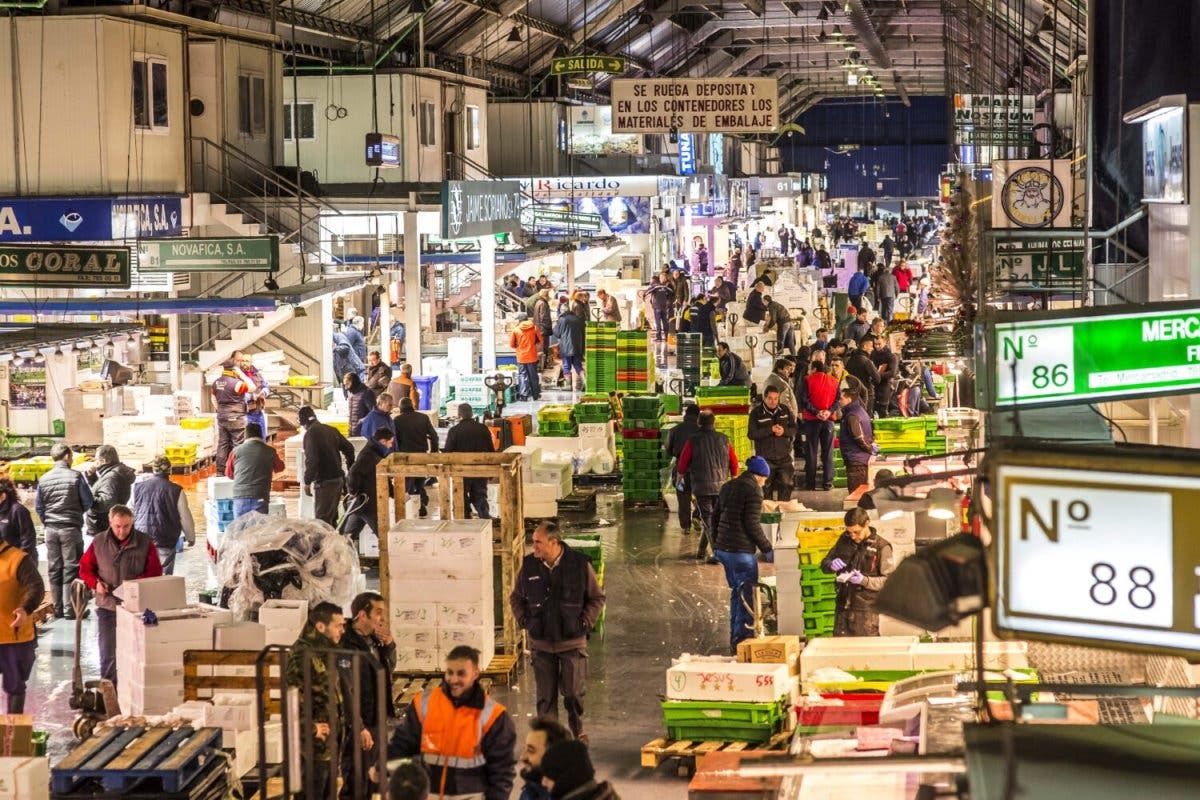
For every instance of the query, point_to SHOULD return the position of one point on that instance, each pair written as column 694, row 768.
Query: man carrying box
column 117, row 555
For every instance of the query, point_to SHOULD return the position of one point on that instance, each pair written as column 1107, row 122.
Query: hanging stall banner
column 699, row 105
column 687, row 154
column 1067, row 568
column 480, row 208
column 89, row 219
column 1088, row 356
column 1049, row 262
column 63, row 267
column 1031, row 194
column 245, row 254
column 623, row 186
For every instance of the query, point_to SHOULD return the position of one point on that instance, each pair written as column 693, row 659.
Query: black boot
column 56, row 592
column 16, row 704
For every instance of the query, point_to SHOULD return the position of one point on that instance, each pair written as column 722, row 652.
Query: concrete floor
column 660, row 603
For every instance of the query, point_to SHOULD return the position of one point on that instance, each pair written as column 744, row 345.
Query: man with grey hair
column 557, row 599
column 160, row 510
column 62, row 498
column 112, row 483
column 471, row 436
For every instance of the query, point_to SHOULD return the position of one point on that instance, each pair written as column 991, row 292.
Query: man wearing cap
column 739, row 535
column 324, row 478
column 471, row 436
column 160, row 510
column 568, row 774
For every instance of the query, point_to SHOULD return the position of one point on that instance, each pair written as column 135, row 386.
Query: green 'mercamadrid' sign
column 613, row 65
column 64, row 267
column 1044, row 263
column 1073, row 357
column 243, row 254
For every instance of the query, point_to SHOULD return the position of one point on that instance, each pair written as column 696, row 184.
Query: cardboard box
column 465, row 614
column 16, row 735
column 157, row 594
column 26, row 778
column 239, row 636
column 727, row 681
column 414, row 613
column 769, row 650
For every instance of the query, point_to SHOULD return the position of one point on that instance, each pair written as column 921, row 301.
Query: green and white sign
column 58, row 266
column 1113, row 353
column 243, row 254
column 613, row 65
column 1044, row 263
column 567, row 220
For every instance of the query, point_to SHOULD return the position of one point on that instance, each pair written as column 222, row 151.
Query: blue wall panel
column 887, row 171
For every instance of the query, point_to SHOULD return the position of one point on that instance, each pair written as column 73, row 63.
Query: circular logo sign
column 1032, row 197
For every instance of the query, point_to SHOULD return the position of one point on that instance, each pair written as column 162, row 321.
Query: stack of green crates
column 589, row 545
column 818, row 589
column 635, row 365
column 731, row 405
column 600, row 356
column 557, row 420
column 721, row 721
column 672, row 403
column 736, row 428
column 839, row 469
column 900, row 435
column 688, row 347
column 935, row 443
column 593, row 411
column 643, row 462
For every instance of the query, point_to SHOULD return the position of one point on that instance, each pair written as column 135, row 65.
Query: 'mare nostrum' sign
column 1073, row 357
column 480, row 208
column 695, row 105
column 64, row 267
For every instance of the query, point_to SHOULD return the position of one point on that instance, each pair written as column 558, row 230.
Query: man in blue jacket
column 859, row 285
column 569, row 331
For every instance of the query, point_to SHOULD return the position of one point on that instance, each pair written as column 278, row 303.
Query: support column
column 325, row 308
column 487, row 300
column 385, row 320
column 412, row 292
column 571, row 270
column 173, row 353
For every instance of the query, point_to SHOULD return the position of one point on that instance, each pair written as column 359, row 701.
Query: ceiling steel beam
column 866, row 31
column 614, row 11
column 470, row 37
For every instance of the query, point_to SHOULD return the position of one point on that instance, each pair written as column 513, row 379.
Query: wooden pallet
column 123, row 758
column 657, row 505
column 688, row 752
column 407, row 684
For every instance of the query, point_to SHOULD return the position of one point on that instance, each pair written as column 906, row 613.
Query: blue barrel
column 425, row 388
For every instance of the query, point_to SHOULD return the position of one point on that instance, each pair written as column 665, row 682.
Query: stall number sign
column 1098, row 555
column 1039, row 263
column 698, row 105
column 1053, row 361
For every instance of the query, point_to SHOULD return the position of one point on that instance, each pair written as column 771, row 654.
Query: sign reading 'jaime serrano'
column 1113, row 353
column 480, row 208
column 699, row 105
column 245, row 254
column 64, row 267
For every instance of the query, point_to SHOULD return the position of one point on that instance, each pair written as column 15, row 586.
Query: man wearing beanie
column 568, row 773
column 739, row 534
column 160, row 510
column 324, row 450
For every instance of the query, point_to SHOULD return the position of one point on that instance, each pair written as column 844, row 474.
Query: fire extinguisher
column 968, row 525
column 393, row 351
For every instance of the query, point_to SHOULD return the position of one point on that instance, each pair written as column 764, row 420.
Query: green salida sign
column 54, row 266
column 1112, row 353
column 568, row 65
column 244, row 254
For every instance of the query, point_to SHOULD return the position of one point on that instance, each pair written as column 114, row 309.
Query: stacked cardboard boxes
column 441, row 591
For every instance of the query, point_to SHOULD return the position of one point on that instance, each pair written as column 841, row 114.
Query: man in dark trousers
column 708, row 459
column 773, row 429
column 676, row 439
column 557, row 599
column 161, row 511
column 361, row 486
column 570, row 330
column 860, row 365
column 251, row 465
column 415, row 434
column 324, row 451
column 367, row 631
column 63, row 495
column 324, row 630
column 739, row 535
column 230, row 391
column 856, row 437
column 733, row 368
column 472, row 436
column 820, row 401
column 862, row 560
column 117, row 555
column 889, row 367
column 112, row 483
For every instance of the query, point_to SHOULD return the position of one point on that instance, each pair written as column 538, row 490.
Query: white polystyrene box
column 415, row 637
column 231, row 711
column 465, row 614
column 283, row 619
column 24, row 778
column 414, row 613
column 220, row 488
column 440, row 586
column 418, row 660
column 857, row 652
column 482, row 638
column 156, row 594
column 695, row 679
column 245, row 746
column 239, row 636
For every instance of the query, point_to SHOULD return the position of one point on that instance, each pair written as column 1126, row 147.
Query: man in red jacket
column 820, row 400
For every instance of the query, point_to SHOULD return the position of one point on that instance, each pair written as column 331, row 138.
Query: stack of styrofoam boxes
column 24, row 777
column 540, row 500
column 887, row 653
column 218, row 513
column 789, row 603
column 441, row 591
column 284, row 620
column 150, row 657
column 136, row 438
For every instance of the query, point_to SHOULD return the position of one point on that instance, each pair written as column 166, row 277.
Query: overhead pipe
column 856, row 12
column 328, row 70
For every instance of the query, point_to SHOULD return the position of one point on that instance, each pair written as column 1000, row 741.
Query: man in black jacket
column 368, row 632
column 888, row 365
column 708, row 459
column 415, row 434
column 773, row 430
column 324, row 479
column 161, row 511
column 112, row 483
column 756, row 305
column 860, row 365
column 739, row 534
column 361, row 487
column 677, row 437
column 733, row 368
column 862, row 560
column 471, row 436
column 557, row 599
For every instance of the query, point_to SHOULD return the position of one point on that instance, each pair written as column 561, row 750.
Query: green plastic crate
column 721, row 733
column 822, row 607
column 679, row 712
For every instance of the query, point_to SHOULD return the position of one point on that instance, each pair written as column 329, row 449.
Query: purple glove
column 837, row 565
column 856, row 577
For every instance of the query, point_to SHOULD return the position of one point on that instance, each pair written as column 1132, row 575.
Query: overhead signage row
column 89, row 219
column 1057, row 358
column 244, row 254
column 64, row 267
column 695, row 105
column 625, row 186
column 480, row 208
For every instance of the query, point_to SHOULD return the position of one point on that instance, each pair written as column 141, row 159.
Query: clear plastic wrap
column 264, row 558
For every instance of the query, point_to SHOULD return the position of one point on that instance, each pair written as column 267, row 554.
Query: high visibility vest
column 453, row 737
column 11, row 595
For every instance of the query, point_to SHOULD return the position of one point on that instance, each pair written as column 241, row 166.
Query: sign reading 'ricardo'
column 700, row 105
column 480, row 208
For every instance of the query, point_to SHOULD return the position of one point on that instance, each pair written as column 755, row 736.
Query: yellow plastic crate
column 818, row 540
column 181, row 454
column 343, row 426
column 196, row 423
column 302, row 380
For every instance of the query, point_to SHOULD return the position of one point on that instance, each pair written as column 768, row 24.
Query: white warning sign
column 695, row 105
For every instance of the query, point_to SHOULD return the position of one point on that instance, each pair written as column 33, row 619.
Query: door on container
column 204, row 107
column 456, row 168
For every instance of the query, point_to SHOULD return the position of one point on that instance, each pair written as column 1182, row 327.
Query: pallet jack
column 95, row 700
column 502, row 428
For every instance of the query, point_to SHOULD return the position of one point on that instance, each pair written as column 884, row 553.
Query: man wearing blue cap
column 739, row 535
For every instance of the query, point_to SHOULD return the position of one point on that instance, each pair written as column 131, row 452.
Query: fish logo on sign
column 71, row 220
column 455, row 212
